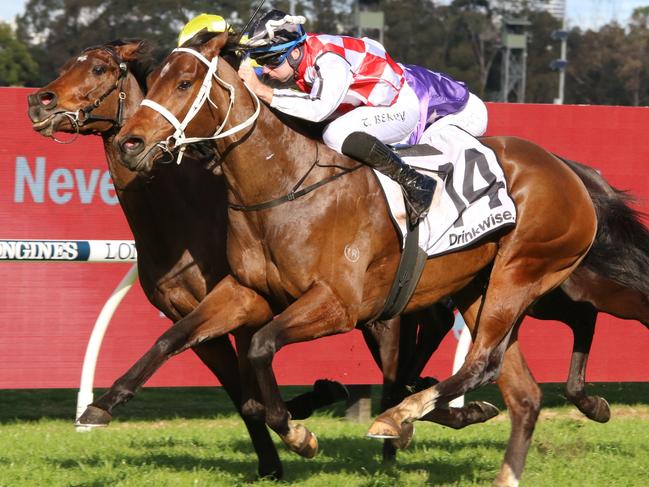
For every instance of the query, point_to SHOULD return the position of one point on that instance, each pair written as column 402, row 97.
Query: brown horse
column 293, row 255
column 182, row 252
column 179, row 259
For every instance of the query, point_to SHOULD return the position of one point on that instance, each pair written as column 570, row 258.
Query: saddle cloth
column 471, row 199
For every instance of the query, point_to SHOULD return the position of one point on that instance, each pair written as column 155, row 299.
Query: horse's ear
column 213, row 47
column 132, row 51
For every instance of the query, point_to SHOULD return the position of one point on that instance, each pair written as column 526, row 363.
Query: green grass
column 189, row 436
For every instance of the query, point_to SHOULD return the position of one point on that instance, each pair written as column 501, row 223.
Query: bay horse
column 292, row 255
column 181, row 250
column 179, row 258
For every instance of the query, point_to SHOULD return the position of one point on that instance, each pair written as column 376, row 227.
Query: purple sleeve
column 438, row 94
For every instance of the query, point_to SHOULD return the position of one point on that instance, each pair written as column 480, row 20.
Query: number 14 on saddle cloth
column 471, row 199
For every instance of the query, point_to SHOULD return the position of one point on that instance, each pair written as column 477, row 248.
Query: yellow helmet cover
column 209, row 22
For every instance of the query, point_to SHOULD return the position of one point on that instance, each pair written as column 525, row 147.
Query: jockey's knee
column 334, row 136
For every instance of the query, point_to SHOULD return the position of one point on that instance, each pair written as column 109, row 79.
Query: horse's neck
column 146, row 203
column 270, row 160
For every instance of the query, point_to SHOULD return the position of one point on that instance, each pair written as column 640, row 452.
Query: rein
column 294, row 193
column 178, row 138
column 77, row 121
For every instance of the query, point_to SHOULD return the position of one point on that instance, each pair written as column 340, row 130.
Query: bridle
column 84, row 115
column 178, row 139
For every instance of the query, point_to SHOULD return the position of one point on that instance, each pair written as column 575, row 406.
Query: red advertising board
column 47, row 310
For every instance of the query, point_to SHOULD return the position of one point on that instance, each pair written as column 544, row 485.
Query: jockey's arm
column 333, row 79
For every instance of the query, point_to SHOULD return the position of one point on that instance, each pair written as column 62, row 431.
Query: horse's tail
column 620, row 251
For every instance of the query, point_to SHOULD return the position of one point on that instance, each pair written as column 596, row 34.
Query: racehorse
column 181, row 250
column 291, row 252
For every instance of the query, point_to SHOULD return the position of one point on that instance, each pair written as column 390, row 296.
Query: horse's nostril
column 132, row 145
column 46, row 98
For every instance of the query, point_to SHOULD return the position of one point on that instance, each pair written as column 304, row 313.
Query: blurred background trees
column 462, row 38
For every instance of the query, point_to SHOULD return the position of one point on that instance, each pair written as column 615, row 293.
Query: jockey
column 352, row 84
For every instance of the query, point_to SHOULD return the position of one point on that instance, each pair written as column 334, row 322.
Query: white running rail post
column 85, row 395
column 463, row 335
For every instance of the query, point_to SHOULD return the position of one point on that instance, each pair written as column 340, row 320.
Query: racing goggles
column 272, row 61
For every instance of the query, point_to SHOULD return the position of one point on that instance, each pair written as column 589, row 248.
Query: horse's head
column 188, row 102
column 91, row 91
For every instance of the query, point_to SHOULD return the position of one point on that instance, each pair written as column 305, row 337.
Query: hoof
column 93, row 417
column 597, row 409
column 301, row 441
column 384, row 427
column 272, row 473
column 330, row 391
column 404, row 440
column 480, row 411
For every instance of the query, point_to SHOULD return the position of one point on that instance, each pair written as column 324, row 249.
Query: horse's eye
column 98, row 70
column 183, row 85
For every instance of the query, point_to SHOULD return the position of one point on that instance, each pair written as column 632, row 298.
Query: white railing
column 118, row 251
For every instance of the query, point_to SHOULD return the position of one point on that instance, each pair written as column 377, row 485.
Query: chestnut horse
column 182, row 249
column 293, row 257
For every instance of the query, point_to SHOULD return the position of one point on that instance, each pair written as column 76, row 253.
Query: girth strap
column 407, row 277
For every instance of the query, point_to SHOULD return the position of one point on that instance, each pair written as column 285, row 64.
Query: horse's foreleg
column 252, row 411
column 523, row 399
column 227, row 307
column 319, row 312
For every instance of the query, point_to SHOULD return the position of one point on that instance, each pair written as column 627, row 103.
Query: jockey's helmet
column 202, row 22
column 274, row 36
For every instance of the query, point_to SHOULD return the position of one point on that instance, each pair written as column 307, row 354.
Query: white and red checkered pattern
column 377, row 77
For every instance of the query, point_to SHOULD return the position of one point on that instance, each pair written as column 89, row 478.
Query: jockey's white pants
column 394, row 124
column 390, row 125
column 473, row 118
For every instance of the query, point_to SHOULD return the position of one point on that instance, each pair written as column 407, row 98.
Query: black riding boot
column 418, row 189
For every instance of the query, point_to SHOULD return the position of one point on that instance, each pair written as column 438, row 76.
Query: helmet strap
column 294, row 63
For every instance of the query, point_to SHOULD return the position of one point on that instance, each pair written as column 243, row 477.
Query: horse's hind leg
column 593, row 407
column 581, row 317
column 513, row 286
column 442, row 318
column 523, row 399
